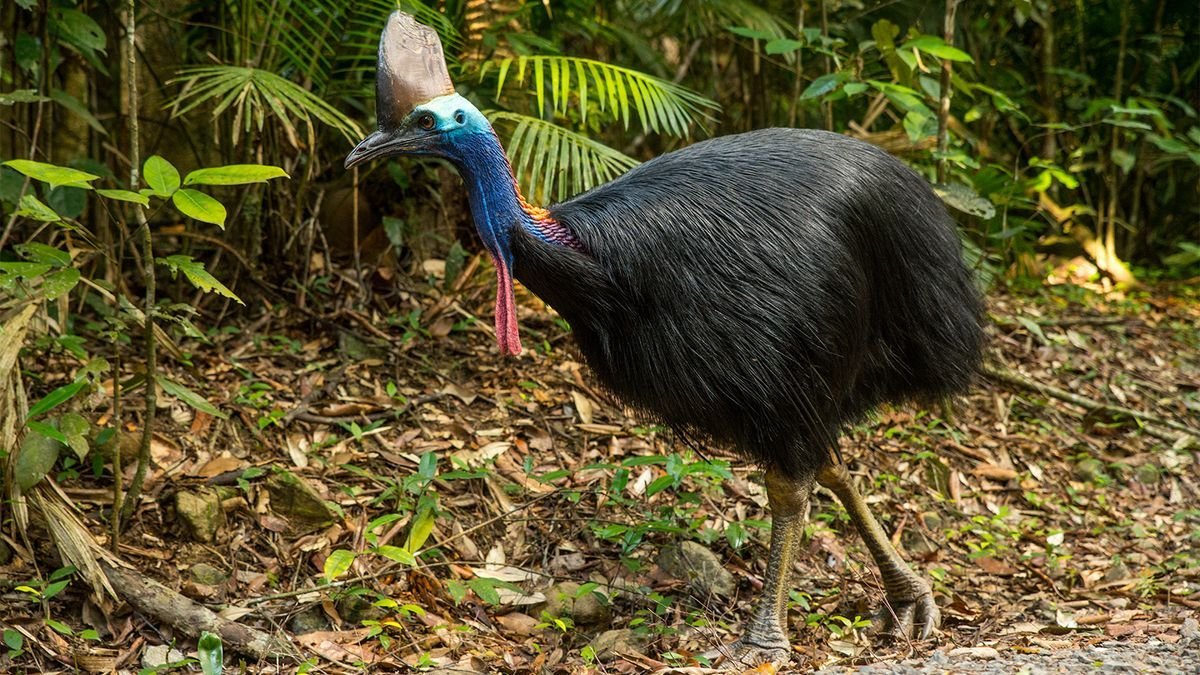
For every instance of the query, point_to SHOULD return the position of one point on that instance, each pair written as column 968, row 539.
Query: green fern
column 661, row 106
column 254, row 95
column 551, row 162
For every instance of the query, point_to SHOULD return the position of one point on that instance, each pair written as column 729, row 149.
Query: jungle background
column 246, row 391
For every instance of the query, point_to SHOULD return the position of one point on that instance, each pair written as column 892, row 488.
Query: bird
column 761, row 290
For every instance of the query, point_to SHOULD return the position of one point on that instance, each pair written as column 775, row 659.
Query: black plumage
column 764, row 289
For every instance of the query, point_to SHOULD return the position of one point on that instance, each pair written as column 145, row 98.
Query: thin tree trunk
column 943, row 137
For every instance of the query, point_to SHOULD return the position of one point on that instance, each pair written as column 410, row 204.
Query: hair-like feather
column 764, row 289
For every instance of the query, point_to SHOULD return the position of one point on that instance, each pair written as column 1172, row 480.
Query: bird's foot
column 901, row 619
column 741, row 656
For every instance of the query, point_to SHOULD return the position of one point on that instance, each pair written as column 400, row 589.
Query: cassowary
column 763, row 290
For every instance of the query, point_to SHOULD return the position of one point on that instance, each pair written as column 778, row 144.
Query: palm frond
column 553, row 163
column 253, row 95
column 660, row 105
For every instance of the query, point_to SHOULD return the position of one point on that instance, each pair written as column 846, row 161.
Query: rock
column 1147, row 474
column 564, row 599
column 700, row 567
column 1089, row 469
column 310, row 620
column 1190, row 629
column 974, row 653
column 613, row 643
column 156, row 656
column 200, row 513
column 294, row 500
column 203, row 573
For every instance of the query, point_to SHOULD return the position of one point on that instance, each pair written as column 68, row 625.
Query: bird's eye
column 460, row 117
column 425, row 122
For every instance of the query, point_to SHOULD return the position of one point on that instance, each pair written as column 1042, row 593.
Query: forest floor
column 478, row 513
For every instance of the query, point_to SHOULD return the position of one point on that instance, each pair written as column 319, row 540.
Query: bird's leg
column 765, row 639
column 911, row 610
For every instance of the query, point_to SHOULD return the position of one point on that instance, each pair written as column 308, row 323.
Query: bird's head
column 420, row 113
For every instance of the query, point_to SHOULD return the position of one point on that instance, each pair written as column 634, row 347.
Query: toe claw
column 917, row 618
column 740, row 656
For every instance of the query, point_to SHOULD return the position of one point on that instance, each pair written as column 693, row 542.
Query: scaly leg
column 766, row 638
column 908, row 595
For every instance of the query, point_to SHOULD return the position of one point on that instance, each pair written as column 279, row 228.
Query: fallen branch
column 1009, row 377
column 190, row 618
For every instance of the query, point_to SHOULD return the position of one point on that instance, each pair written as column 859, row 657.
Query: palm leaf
column 552, row 163
column 660, row 105
column 255, row 94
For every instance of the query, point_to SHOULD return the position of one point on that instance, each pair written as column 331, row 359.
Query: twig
column 1083, row 402
column 143, row 460
column 372, row 416
column 943, row 133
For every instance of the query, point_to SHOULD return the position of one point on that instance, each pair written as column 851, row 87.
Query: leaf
column 160, row 175
column 965, row 199
column 1123, row 158
column 421, row 528
column 55, row 398
column 52, row 174
column 485, row 588
column 235, row 174
column 212, row 654
column 21, row 96
column 189, row 397
column 75, row 428
column 196, row 204
column 400, row 555
column 338, row 563
column 13, row 639
column 783, row 46
column 931, row 44
column 1127, row 124
column 60, row 282
column 1034, row 329
column 195, row 273
column 41, row 253
column 823, row 85
column 125, row 196
column 37, row 457
column 33, row 208
column 78, row 29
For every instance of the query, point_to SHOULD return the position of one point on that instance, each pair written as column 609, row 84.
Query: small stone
column 586, row 609
column 354, row 609
column 157, row 656
column 1089, row 469
column 200, row 513
column 203, row 573
column 310, row 620
column 700, row 567
column 1147, row 474
column 974, row 653
column 294, row 500
column 1190, row 629
column 613, row 643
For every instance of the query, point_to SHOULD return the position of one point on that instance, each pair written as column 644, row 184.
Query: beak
column 386, row 144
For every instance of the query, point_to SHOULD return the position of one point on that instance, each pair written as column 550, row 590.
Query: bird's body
column 763, row 289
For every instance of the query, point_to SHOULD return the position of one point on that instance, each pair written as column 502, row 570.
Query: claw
column 916, row 618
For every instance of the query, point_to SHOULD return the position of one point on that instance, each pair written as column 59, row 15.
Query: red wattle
column 507, row 335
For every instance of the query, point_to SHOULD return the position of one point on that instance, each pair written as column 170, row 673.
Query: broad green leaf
column 47, row 431
column 24, row 270
column 965, row 199
column 212, row 654
column 931, row 44
column 195, row 273
column 338, row 563
column 125, row 196
column 1127, row 124
column 234, row 174
column 78, row 29
column 75, row 428
column 823, row 85
column 59, row 627
column 398, row 554
column 200, row 206
column 486, row 589
column 41, row 253
column 914, row 125
column 1123, row 158
column 55, row 398
column 421, row 528
column 457, row 591
column 782, row 46
column 37, row 457
column 52, row 174
column 21, row 96
column 160, row 175
column 189, row 397
column 13, row 639
column 60, row 282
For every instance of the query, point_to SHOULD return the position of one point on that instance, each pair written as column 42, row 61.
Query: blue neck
column 491, row 189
